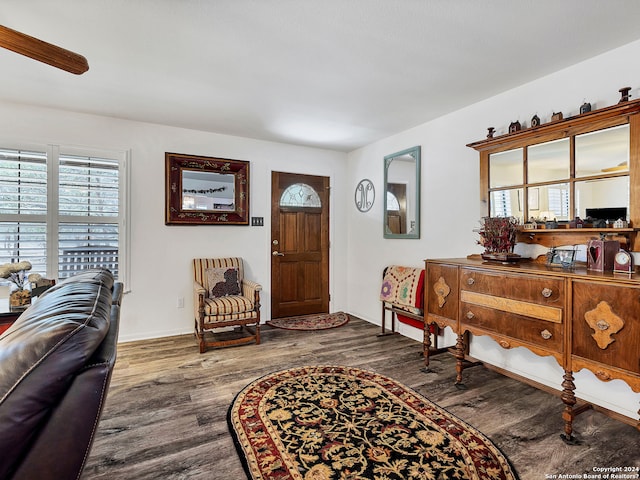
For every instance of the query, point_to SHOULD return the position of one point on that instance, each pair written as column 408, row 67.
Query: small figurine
column 620, row 223
column 491, row 131
column 535, row 121
column 599, row 223
column 585, row 107
column 624, row 94
column 515, row 127
column 576, row 223
column 556, row 116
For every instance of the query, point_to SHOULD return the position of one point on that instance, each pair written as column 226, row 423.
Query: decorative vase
column 20, row 298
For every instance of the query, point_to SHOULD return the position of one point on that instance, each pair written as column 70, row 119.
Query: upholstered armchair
column 224, row 298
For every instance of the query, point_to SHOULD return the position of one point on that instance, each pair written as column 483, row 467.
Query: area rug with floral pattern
column 319, row 321
column 337, row 422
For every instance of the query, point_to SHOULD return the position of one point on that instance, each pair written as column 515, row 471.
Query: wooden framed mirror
column 402, row 194
column 206, row 190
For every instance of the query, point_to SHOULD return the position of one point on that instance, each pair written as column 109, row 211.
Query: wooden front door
column 299, row 244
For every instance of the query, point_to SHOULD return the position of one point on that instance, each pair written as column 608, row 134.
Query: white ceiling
column 335, row 74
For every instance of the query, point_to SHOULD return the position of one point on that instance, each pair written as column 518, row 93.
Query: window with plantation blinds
column 63, row 212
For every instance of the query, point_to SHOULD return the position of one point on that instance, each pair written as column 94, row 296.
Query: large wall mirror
column 402, row 194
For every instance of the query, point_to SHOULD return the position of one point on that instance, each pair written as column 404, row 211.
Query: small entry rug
column 320, row 321
column 335, row 422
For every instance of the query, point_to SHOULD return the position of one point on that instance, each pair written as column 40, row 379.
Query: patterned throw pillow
column 222, row 281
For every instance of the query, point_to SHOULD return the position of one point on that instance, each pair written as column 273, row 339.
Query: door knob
column 277, row 254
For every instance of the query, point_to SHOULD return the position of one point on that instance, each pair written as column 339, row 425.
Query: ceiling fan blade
column 42, row 51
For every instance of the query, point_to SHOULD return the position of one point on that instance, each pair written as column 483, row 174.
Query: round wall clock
column 365, row 195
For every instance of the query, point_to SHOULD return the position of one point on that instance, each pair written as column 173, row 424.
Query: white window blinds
column 88, row 190
column 23, row 207
column 62, row 212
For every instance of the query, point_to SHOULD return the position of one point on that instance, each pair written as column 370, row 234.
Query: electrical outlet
column 180, row 303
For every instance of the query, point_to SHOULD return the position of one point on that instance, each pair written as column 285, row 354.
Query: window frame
column 52, row 218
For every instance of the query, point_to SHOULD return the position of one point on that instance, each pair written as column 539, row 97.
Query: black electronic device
column 610, row 214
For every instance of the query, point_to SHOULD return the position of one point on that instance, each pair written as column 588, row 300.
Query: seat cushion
column 228, row 305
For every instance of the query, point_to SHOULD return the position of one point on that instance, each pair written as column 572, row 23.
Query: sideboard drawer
column 544, row 333
column 528, row 288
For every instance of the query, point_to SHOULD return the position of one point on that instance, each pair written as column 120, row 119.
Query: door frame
column 330, row 253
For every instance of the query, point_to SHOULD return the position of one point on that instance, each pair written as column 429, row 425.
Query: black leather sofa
column 56, row 362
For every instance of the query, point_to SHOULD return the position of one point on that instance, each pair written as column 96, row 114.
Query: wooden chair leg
column 384, row 333
column 199, row 337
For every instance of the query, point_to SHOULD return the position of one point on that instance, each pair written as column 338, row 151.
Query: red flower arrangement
column 498, row 234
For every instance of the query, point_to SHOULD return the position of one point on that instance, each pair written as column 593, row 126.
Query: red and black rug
column 334, row 422
column 319, row 321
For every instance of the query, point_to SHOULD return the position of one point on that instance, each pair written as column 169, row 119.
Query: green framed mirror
column 401, row 194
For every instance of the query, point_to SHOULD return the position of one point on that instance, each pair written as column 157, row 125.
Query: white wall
column 161, row 255
column 450, row 207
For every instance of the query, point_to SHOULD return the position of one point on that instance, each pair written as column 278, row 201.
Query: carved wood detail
column 604, row 324
column 442, row 291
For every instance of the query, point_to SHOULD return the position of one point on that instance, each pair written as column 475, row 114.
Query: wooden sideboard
column 583, row 319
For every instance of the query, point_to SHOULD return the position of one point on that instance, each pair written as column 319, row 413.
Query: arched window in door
column 300, row 195
column 392, row 202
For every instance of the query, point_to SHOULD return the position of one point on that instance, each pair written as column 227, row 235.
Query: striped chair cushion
column 227, row 305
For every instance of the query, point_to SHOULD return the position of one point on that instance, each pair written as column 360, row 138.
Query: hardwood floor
column 165, row 416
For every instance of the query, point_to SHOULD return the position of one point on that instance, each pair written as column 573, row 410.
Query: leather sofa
column 56, row 362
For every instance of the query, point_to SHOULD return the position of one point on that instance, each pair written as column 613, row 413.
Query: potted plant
column 20, row 296
column 498, row 237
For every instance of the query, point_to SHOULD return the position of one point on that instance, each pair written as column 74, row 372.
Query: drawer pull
column 602, row 325
column 546, row 334
column 603, row 375
column 470, row 315
column 470, row 281
column 547, row 292
column 504, row 344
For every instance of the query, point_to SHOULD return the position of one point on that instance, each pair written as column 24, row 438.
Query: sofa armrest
column 73, row 422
